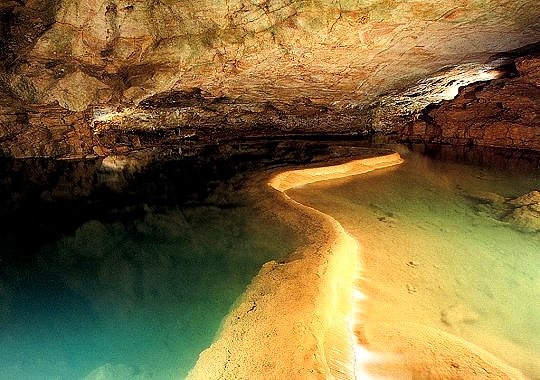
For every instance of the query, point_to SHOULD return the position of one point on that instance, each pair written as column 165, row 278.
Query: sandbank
column 304, row 318
column 295, row 319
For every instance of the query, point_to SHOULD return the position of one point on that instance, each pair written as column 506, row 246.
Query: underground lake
column 269, row 190
column 449, row 260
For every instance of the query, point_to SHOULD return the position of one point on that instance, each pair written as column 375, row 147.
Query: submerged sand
column 304, row 318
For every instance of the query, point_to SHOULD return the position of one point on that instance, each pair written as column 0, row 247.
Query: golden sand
column 295, row 319
column 296, row 178
column 303, row 318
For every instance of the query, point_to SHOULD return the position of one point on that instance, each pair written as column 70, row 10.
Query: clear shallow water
column 136, row 299
column 438, row 250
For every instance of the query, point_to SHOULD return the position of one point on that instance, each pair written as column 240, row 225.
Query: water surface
column 440, row 249
column 134, row 298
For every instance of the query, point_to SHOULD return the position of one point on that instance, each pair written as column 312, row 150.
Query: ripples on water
column 443, row 236
column 130, row 299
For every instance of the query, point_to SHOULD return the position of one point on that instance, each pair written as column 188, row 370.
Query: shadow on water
column 144, row 294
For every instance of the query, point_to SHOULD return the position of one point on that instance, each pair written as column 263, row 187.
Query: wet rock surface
column 526, row 214
column 522, row 213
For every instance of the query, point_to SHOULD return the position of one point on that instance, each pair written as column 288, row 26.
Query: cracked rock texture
column 501, row 113
column 83, row 52
column 208, row 70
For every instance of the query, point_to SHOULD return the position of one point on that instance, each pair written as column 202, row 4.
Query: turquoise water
column 451, row 254
column 141, row 296
column 131, row 299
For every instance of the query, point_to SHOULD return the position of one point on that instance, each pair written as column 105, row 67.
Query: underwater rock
column 526, row 214
column 529, row 199
column 522, row 213
column 488, row 197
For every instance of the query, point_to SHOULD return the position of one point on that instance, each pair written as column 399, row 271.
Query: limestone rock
column 345, row 51
column 77, row 91
column 526, row 215
column 500, row 113
column 529, row 199
column 267, row 68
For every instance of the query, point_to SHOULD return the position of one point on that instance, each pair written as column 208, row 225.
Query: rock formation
column 85, row 78
column 165, row 100
column 521, row 213
column 500, row 113
column 526, row 212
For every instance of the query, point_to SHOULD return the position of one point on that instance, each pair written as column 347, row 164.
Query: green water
column 131, row 299
column 464, row 265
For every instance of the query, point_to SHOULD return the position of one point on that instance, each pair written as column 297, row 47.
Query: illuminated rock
column 500, row 113
column 96, row 78
column 346, row 51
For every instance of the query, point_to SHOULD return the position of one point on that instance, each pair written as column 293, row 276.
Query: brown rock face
column 43, row 131
column 99, row 77
column 86, row 52
column 500, row 113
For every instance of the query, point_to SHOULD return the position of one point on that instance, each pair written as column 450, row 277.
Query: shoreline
column 307, row 317
column 415, row 323
column 295, row 319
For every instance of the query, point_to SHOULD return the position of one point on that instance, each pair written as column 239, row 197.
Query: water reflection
column 131, row 299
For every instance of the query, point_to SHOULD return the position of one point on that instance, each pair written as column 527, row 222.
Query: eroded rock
column 499, row 113
column 526, row 214
column 78, row 90
column 341, row 51
column 222, row 69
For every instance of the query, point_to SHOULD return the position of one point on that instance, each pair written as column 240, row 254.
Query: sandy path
column 304, row 318
column 294, row 320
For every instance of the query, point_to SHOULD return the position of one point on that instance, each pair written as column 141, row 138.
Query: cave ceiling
column 82, row 53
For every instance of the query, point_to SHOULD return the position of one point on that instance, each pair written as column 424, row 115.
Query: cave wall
column 87, row 78
column 82, row 52
column 500, row 113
